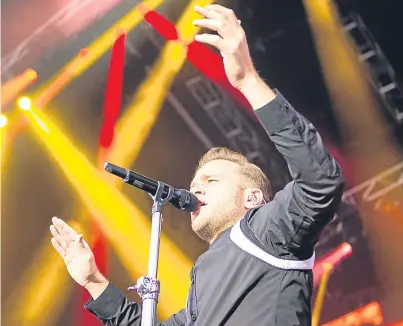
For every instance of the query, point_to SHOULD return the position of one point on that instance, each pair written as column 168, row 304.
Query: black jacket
column 259, row 272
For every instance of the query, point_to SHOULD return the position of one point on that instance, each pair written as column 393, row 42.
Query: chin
column 196, row 224
column 199, row 223
column 204, row 228
column 199, row 218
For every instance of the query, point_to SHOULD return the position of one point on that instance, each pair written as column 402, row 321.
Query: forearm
column 257, row 92
column 112, row 307
column 308, row 203
column 311, row 165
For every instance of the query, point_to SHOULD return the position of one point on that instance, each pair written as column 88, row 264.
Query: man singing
column 258, row 268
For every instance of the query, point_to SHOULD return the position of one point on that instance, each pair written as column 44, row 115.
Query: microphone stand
column 148, row 287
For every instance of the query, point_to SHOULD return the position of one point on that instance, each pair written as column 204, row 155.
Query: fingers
column 214, row 40
column 57, row 236
column 62, row 233
column 63, row 228
column 67, row 242
column 208, row 23
column 204, row 11
column 221, row 10
column 219, row 19
column 58, row 247
column 217, row 12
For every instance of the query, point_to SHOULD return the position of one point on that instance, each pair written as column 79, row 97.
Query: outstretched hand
column 230, row 40
column 76, row 253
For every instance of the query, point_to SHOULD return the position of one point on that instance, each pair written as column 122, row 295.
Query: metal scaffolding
column 345, row 226
column 381, row 72
column 241, row 133
column 348, row 293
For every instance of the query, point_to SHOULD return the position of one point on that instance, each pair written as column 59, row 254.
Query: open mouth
column 199, row 206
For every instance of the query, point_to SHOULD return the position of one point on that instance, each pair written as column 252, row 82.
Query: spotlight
column 25, row 103
column 31, row 74
column 3, row 121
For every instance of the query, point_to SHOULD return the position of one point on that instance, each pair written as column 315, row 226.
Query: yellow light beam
column 327, row 270
column 75, row 67
column 134, row 127
column 361, row 123
column 41, row 98
column 356, row 110
column 125, row 226
column 3, row 121
column 97, row 48
column 42, row 283
column 187, row 33
column 3, row 125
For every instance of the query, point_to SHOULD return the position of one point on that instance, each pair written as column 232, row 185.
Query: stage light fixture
column 3, row 121
column 25, row 103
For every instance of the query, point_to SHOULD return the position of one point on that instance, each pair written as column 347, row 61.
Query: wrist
column 249, row 82
column 256, row 91
column 97, row 285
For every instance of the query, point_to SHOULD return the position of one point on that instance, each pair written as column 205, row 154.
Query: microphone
column 181, row 198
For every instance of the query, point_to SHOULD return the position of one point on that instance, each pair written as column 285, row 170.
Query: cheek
column 235, row 199
column 224, row 198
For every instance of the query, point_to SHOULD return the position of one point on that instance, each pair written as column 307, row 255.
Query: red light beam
column 199, row 55
column 112, row 107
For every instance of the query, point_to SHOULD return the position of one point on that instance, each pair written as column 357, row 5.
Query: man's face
column 218, row 185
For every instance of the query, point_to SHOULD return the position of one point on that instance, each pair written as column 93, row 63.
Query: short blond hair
column 248, row 170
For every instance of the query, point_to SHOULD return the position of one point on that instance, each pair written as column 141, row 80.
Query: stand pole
column 148, row 287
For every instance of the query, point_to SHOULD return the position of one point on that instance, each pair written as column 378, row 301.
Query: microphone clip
column 159, row 201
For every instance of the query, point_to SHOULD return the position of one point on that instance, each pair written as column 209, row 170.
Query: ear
column 253, row 198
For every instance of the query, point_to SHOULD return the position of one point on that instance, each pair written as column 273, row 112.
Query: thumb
column 81, row 242
column 78, row 241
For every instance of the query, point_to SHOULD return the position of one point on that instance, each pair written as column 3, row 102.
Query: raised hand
column 230, row 40
column 76, row 253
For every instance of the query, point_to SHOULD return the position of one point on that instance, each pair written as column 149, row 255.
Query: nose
column 197, row 190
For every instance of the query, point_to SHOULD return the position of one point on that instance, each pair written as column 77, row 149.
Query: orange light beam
column 370, row 314
column 334, row 258
column 15, row 86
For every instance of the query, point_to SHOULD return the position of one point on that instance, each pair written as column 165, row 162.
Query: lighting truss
column 346, row 225
column 381, row 72
column 348, row 287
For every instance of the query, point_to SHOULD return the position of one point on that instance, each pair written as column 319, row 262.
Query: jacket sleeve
column 112, row 308
column 293, row 220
